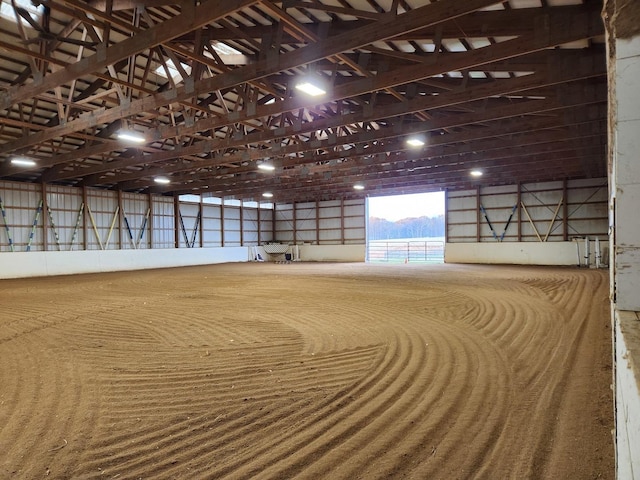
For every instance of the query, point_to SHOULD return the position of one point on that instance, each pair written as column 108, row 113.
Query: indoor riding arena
column 194, row 281
column 308, row 371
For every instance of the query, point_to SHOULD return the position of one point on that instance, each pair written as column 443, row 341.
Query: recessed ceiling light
column 267, row 194
column 415, row 142
column 162, row 180
column 131, row 136
column 476, row 173
column 267, row 167
column 358, row 186
column 23, row 162
column 310, row 88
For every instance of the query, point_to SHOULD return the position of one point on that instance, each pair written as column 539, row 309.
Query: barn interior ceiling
column 515, row 89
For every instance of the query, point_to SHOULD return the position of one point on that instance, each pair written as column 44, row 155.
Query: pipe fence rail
column 405, row 251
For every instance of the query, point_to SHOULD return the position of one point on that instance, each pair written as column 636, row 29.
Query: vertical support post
column 587, row 252
column 120, row 216
column 342, row 221
column 446, row 215
column 317, row 223
column 273, row 223
column 294, row 221
column 478, row 214
column 242, row 223
column 85, row 230
column 201, row 209
column 45, row 208
column 222, row 223
column 150, row 220
column 176, row 221
column 259, row 233
column 519, row 194
column 565, row 211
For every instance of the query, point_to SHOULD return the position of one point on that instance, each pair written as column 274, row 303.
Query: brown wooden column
column 150, row 221
column 519, row 200
column 446, row 216
column 45, row 218
column 85, row 230
column 259, row 227
column 120, row 216
column 342, row 221
column 317, row 223
column 201, row 233
column 273, row 222
column 241, row 223
column 565, row 211
column 222, row 224
column 176, row 221
column 295, row 221
column 478, row 214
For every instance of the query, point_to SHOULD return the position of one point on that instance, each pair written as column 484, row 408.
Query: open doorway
column 406, row 228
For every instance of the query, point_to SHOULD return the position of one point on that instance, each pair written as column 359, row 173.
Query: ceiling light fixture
column 23, row 162
column 415, row 142
column 162, row 180
column 131, row 136
column 267, row 167
column 267, row 194
column 309, row 88
column 476, row 173
column 358, row 186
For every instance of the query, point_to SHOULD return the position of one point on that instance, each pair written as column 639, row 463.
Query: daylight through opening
column 406, row 228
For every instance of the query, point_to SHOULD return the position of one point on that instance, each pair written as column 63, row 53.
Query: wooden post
column 242, row 223
column 317, row 223
column 273, row 223
column 45, row 216
column 446, row 216
column 295, row 229
column 519, row 212
column 201, row 233
column 120, row 215
column 176, row 221
column 478, row 214
column 258, row 213
column 565, row 212
column 342, row 221
column 222, row 223
column 85, row 235
column 150, row 221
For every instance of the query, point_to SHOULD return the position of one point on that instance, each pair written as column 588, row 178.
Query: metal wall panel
column 549, row 211
column 64, row 218
column 250, row 226
column 112, row 220
column 135, row 212
column 232, row 226
column 211, row 226
column 189, row 224
column 163, row 222
column 102, row 213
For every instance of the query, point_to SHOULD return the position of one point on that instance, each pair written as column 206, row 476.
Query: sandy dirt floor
column 309, row 371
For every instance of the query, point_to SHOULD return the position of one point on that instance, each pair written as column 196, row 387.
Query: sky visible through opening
column 397, row 207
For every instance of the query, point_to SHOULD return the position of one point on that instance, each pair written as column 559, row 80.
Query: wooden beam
column 188, row 21
column 386, row 28
column 531, row 107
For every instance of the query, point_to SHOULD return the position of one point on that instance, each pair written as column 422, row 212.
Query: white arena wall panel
column 536, row 223
column 38, row 264
column 163, row 222
column 332, row 222
column 512, row 253
column 211, row 225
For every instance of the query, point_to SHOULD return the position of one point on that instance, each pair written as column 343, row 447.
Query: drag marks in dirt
column 324, row 371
